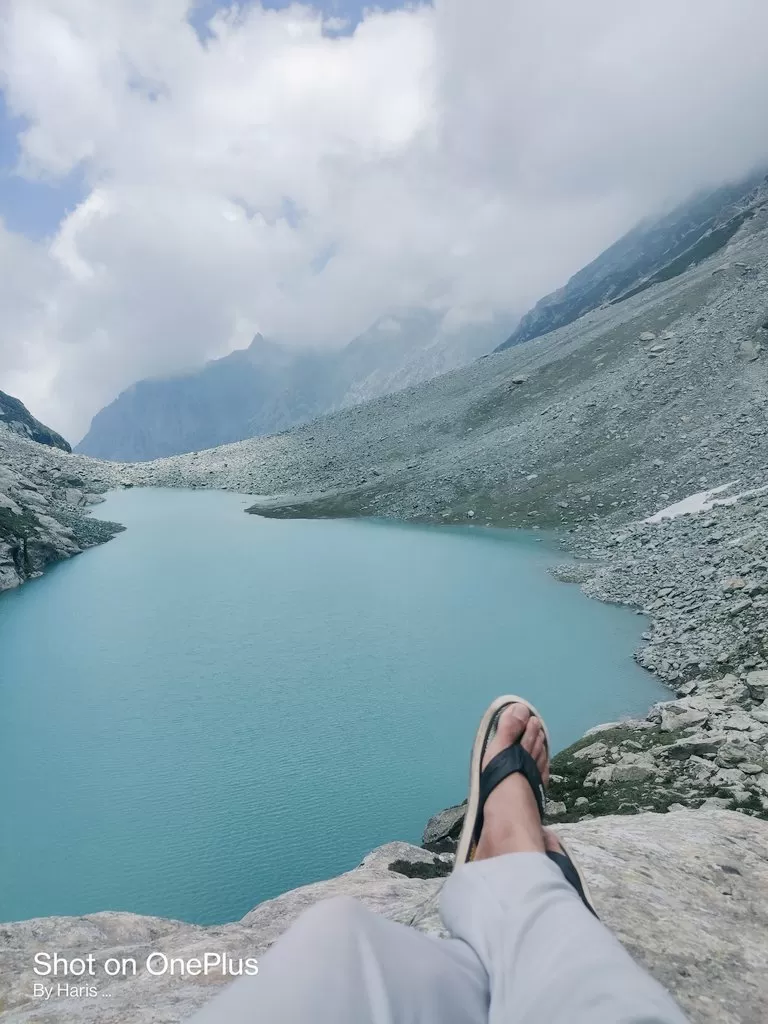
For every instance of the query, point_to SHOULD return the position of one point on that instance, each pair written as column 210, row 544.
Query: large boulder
column 686, row 892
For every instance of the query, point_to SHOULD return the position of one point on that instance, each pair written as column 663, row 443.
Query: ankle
column 500, row 835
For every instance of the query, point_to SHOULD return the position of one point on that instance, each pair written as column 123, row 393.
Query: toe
column 511, row 726
column 513, row 721
column 535, row 742
column 517, row 724
column 531, row 735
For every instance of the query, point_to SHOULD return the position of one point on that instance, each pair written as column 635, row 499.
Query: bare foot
column 511, row 822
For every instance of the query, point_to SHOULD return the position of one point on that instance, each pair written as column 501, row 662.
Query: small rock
column 671, row 720
column 555, row 808
column 445, row 824
column 631, row 772
column 700, row 744
column 739, row 607
column 757, row 684
column 750, row 350
column 735, row 583
column 599, row 776
column 730, row 755
column 738, row 721
column 592, row 752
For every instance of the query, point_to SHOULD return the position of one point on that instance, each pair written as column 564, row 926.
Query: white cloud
column 284, row 178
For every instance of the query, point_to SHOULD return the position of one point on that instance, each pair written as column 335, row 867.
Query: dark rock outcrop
column 16, row 417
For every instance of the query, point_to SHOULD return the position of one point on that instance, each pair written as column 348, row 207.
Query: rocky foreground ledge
column 685, row 892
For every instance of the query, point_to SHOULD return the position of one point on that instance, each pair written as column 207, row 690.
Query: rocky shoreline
column 707, row 749
column 702, row 579
column 45, row 500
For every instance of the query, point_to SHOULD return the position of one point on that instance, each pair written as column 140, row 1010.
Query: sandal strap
column 510, row 761
column 571, row 876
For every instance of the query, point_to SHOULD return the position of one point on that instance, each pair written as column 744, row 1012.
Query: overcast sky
column 175, row 177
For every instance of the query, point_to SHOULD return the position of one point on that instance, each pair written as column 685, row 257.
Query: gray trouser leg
column 526, row 952
column 548, row 959
column 341, row 964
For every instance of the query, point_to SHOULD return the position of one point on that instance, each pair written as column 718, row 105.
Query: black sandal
column 482, row 781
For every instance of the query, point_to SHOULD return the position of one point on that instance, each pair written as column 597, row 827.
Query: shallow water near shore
column 214, row 707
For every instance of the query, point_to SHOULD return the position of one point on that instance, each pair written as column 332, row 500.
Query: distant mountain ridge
column 650, row 253
column 15, row 416
column 267, row 388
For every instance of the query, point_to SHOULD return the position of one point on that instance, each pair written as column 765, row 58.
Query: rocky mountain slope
column 631, row 407
column 653, row 251
column 659, row 881
column 266, row 388
column 15, row 417
column 44, row 494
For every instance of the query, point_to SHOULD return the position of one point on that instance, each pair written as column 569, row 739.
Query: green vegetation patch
column 653, row 794
column 421, row 869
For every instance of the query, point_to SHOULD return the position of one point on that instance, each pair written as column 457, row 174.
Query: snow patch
column 703, row 502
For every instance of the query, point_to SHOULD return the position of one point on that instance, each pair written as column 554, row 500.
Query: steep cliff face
column 15, row 416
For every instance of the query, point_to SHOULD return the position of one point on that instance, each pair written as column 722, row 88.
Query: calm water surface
column 213, row 708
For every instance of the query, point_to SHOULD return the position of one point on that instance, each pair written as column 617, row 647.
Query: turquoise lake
column 213, row 707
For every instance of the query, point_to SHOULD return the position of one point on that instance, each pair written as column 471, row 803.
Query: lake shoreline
column 647, row 567
column 160, row 621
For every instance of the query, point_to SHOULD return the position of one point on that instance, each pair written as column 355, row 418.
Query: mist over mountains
column 654, row 251
column 267, row 388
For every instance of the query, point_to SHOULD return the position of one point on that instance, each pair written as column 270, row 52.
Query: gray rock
column 41, row 514
column 750, row 350
column 731, row 754
column 673, row 720
column 593, row 752
column 632, row 772
column 445, row 824
column 739, row 721
column 600, row 776
column 728, row 777
column 757, row 684
column 699, row 744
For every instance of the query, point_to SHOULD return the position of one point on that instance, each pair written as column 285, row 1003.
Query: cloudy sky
column 175, row 176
